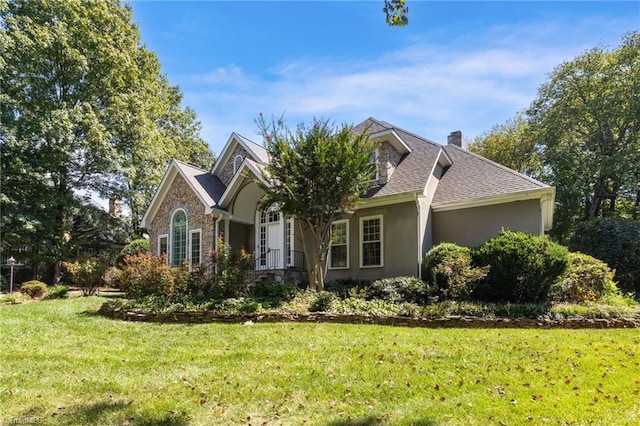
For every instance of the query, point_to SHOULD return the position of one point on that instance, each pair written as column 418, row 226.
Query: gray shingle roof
column 472, row 176
column 207, row 186
column 412, row 173
column 259, row 151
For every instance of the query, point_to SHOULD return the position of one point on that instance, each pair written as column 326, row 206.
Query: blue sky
column 456, row 66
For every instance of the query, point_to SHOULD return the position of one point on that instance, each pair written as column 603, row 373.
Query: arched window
column 178, row 237
column 237, row 161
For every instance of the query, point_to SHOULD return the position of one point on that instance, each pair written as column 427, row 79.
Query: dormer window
column 375, row 166
column 237, row 161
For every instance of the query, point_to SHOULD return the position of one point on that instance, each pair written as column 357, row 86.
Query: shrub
column 143, row 275
column 615, row 241
column 33, row 288
column 399, row 290
column 586, row 279
column 4, row 283
column 57, row 292
column 274, row 290
column 231, row 269
column 447, row 268
column 523, row 267
column 347, row 287
column 86, row 274
column 138, row 246
column 322, row 301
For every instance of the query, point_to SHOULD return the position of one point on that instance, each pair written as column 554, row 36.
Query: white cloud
column 427, row 89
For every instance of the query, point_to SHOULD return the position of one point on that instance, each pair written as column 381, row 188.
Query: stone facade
column 388, row 160
column 226, row 174
column 181, row 196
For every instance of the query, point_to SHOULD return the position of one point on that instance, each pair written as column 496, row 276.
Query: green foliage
column 348, row 287
column 83, row 108
column 57, row 292
column 274, row 291
column 512, row 144
column 586, row 279
column 230, row 270
column 86, row 274
column 144, row 275
column 33, row 288
column 315, row 174
column 616, row 241
column 140, row 245
column 587, row 121
column 399, row 290
column 4, row 283
column 322, row 301
column 523, row 267
column 448, row 270
column 396, row 13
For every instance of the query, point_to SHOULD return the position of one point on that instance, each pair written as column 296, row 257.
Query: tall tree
column 512, row 144
column 315, row 174
column 396, row 12
column 587, row 118
column 82, row 104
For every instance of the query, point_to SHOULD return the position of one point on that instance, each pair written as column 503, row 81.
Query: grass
column 60, row 363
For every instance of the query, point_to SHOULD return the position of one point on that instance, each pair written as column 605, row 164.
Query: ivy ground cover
column 61, row 363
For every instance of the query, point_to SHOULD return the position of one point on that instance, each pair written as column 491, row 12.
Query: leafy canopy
column 315, row 174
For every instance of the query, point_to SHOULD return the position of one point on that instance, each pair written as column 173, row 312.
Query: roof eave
column 538, row 193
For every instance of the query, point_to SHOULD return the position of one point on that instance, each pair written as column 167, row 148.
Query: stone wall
column 226, row 174
column 181, row 196
column 388, row 160
column 320, row 317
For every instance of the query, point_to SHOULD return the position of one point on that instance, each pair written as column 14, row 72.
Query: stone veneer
column 196, row 317
column 388, row 160
column 226, row 174
column 180, row 195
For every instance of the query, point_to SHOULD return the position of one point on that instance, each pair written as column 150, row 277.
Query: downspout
column 419, row 215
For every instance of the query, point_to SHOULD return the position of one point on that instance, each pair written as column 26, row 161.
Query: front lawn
column 60, row 363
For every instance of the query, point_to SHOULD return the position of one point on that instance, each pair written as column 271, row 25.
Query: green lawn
column 60, row 363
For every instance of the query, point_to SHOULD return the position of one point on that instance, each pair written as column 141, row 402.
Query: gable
column 237, row 149
column 192, row 181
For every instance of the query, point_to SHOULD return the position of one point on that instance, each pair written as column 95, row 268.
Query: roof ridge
column 415, row 135
column 193, row 166
column 503, row 167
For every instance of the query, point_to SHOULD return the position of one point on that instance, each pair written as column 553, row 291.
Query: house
column 424, row 193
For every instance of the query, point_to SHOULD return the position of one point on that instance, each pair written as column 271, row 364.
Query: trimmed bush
column 86, row 274
column 138, row 246
column 615, row 241
column 586, row 279
column 231, row 267
column 399, row 290
column 57, row 292
column 274, row 290
column 322, row 302
column 144, row 275
column 33, row 288
column 447, row 268
column 523, row 267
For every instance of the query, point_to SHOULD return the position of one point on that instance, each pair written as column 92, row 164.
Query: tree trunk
column 315, row 256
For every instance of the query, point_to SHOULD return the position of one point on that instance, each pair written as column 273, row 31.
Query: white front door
column 270, row 250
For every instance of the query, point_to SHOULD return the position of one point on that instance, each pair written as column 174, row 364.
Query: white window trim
column 236, row 163
column 160, row 237
column 361, row 241
column 347, row 244
column 190, row 254
column 376, row 176
column 170, row 249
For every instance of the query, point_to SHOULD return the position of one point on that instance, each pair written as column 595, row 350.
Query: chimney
column 115, row 206
column 455, row 138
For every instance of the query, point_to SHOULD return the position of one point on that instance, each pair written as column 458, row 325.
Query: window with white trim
column 178, row 238
column 375, row 166
column 163, row 244
column 339, row 247
column 237, row 162
column 196, row 246
column 371, row 241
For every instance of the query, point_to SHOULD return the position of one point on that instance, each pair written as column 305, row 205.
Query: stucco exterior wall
column 181, row 196
column 400, row 242
column 473, row 226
